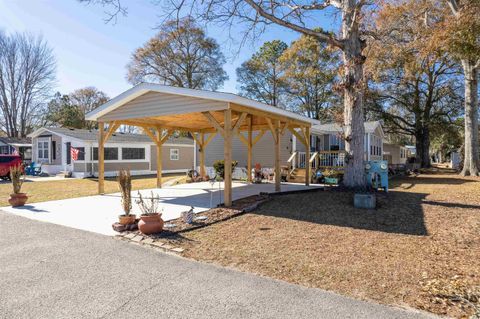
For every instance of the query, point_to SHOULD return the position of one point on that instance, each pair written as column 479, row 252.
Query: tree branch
column 320, row 35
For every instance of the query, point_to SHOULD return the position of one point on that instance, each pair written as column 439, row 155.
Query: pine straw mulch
column 420, row 248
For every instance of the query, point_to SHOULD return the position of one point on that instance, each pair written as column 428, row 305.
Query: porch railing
column 331, row 159
column 320, row 159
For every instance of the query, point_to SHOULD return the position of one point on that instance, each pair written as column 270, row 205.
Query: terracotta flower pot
column 150, row 224
column 127, row 220
column 18, row 199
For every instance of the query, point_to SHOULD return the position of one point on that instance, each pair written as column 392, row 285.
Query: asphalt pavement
column 51, row 271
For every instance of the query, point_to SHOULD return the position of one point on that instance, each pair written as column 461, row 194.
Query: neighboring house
column 327, row 148
column 412, row 149
column 395, row 154
column 328, row 145
column 21, row 146
column 136, row 152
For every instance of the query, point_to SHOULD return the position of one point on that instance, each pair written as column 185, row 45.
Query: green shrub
column 219, row 167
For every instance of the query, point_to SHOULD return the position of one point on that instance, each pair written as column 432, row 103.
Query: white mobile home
column 395, row 154
column 136, row 152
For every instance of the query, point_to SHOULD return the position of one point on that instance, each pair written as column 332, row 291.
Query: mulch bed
column 214, row 215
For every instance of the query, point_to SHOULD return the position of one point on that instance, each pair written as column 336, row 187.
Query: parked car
column 7, row 161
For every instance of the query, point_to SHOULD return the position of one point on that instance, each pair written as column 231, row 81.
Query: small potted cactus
column 17, row 176
column 125, row 185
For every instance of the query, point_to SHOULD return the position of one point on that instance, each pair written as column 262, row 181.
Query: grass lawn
column 72, row 187
column 420, row 248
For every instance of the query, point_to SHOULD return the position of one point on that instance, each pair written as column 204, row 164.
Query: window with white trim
column 133, row 153
column 43, row 150
column 174, row 154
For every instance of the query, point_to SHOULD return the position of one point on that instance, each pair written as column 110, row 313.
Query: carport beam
column 227, row 152
column 158, row 145
column 202, row 155
column 277, row 130
column 101, row 157
column 249, row 148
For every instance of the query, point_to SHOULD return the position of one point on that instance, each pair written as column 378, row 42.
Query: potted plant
column 331, row 176
column 125, row 185
column 219, row 167
column 150, row 220
column 18, row 177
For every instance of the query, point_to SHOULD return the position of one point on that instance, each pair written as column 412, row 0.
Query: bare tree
column 87, row 100
column 27, row 73
column 179, row 55
column 300, row 16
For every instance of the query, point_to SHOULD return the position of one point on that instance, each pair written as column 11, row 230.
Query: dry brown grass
column 420, row 248
column 70, row 188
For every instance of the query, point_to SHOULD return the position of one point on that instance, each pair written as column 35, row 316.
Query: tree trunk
column 353, row 114
column 422, row 144
column 471, row 160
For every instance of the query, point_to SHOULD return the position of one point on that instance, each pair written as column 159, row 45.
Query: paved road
column 50, row 271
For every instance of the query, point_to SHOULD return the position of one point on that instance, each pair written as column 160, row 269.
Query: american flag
column 74, row 153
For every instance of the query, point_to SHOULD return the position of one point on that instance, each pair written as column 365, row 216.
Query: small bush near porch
column 73, row 187
column 421, row 248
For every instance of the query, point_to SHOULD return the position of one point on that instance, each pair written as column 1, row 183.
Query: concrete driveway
column 50, row 271
column 97, row 213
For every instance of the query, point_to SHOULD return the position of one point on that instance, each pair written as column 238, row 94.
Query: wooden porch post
column 159, row 146
column 307, row 159
column 249, row 150
column 101, row 158
column 227, row 152
column 277, row 156
column 202, row 155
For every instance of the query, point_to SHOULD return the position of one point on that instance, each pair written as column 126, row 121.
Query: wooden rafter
column 300, row 137
column 209, row 139
column 272, row 129
column 214, row 122
column 205, row 143
column 165, row 136
column 150, row 134
column 242, row 138
column 240, row 121
column 157, row 140
column 258, row 137
column 194, row 135
column 112, row 127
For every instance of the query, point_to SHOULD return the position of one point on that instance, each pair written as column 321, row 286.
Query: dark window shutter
column 69, row 155
column 54, row 150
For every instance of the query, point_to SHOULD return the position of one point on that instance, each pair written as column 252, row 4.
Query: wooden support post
column 101, row 158
column 202, row 155
column 249, row 149
column 307, row 159
column 158, row 144
column 277, row 155
column 227, row 153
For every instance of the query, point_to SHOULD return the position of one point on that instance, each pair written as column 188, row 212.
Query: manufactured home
column 327, row 149
column 17, row 145
column 395, row 154
column 136, row 152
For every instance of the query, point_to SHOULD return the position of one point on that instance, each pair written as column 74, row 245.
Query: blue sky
column 90, row 52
